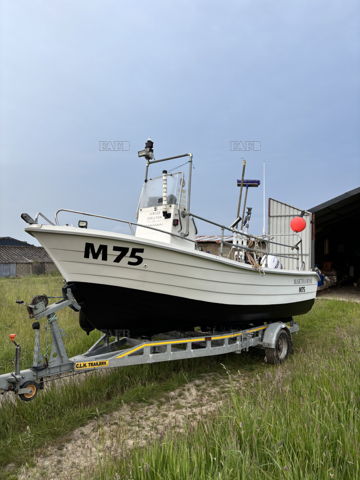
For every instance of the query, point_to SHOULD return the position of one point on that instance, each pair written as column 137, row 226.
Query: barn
column 337, row 246
column 330, row 241
column 18, row 258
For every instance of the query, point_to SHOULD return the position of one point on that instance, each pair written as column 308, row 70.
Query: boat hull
column 127, row 282
column 148, row 313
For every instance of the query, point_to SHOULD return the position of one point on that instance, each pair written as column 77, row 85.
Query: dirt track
column 133, row 425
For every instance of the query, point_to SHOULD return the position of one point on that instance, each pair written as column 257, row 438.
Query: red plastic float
column 297, row 224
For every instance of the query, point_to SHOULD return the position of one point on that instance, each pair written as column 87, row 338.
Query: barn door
column 280, row 215
column 7, row 270
column 38, row 268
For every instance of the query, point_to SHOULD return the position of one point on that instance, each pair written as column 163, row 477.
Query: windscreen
column 151, row 194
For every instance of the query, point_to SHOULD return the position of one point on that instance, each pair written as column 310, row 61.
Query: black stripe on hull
column 145, row 313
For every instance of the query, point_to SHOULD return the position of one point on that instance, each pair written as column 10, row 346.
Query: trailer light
column 176, row 222
column 82, row 224
column 12, row 337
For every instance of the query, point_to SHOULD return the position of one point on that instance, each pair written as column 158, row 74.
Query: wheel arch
column 271, row 333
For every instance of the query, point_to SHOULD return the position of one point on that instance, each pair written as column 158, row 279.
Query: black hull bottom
column 109, row 308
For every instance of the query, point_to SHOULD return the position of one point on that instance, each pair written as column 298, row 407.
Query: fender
column 271, row 333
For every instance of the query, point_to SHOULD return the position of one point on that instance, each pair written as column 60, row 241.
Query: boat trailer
column 274, row 338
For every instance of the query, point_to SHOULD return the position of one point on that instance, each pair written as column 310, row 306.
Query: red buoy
column 297, row 224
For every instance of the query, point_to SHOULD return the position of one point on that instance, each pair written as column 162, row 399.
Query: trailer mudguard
column 271, row 333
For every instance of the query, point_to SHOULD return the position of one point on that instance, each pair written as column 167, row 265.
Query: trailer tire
column 283, row 347
column 27, row 397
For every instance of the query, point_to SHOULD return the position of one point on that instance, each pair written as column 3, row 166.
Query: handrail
column 296, row 256
column 120, row 221
column 292, row 256
column 239, row 232
column 39, row 214
column 223, row 228
column 297, row 246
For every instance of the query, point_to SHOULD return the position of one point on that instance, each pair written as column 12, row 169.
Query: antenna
column 264, row 198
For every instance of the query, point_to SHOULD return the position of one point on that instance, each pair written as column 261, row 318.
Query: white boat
column 157, row 279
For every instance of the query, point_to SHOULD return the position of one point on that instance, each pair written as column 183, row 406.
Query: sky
column 207, row 77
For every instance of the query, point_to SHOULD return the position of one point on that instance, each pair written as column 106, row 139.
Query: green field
column 14, row 319
column 299, row 420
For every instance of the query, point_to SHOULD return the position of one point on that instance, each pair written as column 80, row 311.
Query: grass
column 27, row 427
column 296, row 421
column 14, row 319
column 299, row 420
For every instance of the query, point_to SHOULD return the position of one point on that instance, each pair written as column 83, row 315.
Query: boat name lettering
column 302, row 281
column 301, row 289
column 95, row 364
column 102, row 252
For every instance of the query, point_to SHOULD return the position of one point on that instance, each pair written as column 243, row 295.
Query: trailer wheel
column 283, row 347
column 27, row 397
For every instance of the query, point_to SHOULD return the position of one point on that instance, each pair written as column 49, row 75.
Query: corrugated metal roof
column 344, row 208
column 13, row 242
column 342, row 200
column 212, row 238
column 337, row 211
column 25, row 254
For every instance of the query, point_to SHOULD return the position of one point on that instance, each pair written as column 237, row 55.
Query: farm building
column 211, row 243
column 337, row 248
column 18, row 258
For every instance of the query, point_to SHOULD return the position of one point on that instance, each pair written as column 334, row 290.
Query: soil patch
column 133, row 425
column 347, row 294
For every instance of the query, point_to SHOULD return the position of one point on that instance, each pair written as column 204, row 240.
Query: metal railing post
column 222, row 242
column 241, row 188
column 189, row 195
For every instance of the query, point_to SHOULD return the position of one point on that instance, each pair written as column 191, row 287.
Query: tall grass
column 296, row 421
column 56, row 412
column 14, row 319
column 26, row 427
